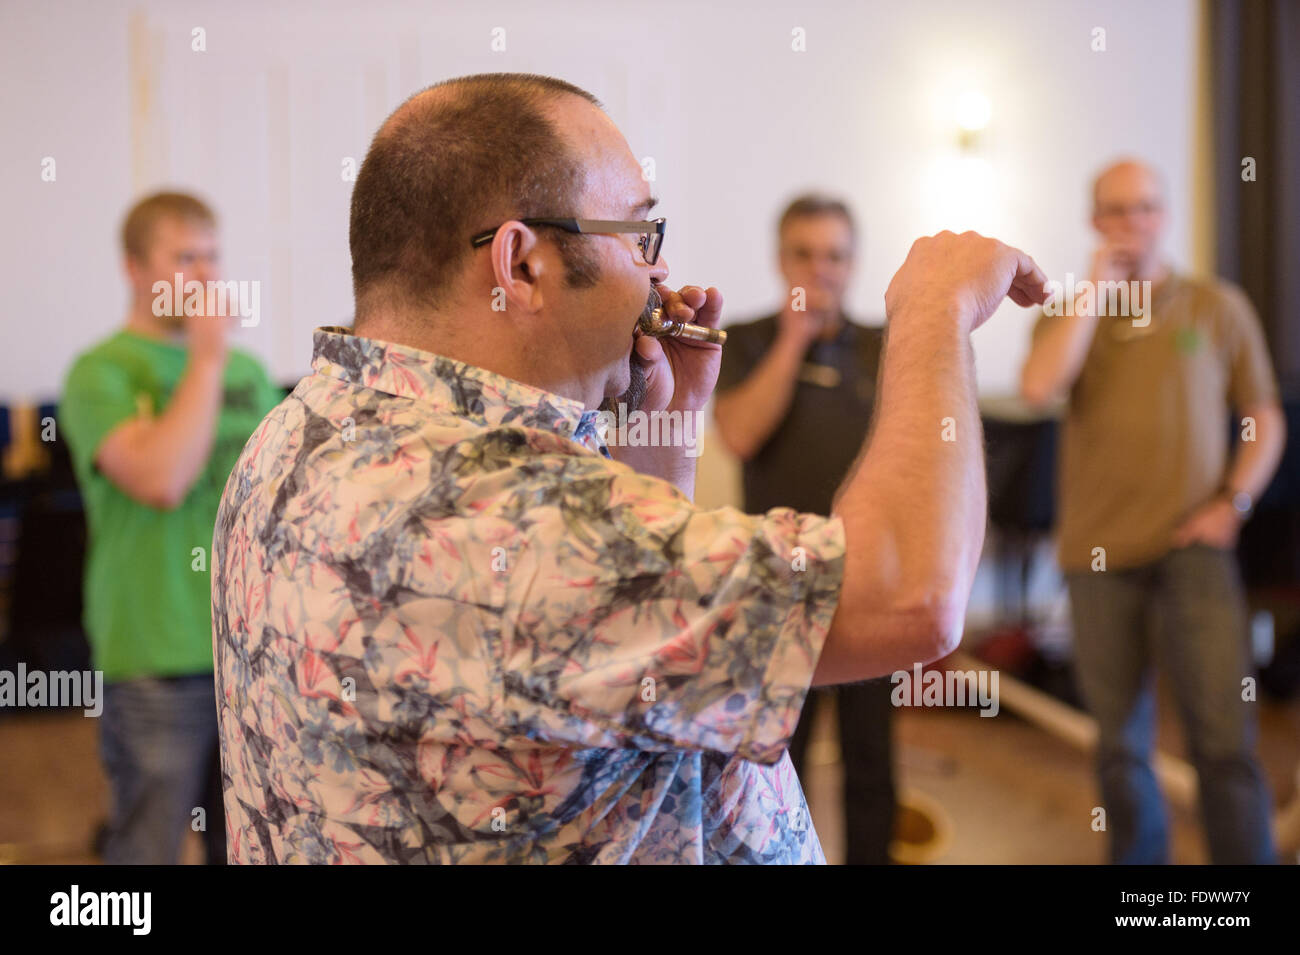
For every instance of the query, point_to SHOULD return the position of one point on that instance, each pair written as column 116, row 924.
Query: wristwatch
column 1241, row 502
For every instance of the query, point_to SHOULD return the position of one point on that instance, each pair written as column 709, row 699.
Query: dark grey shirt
column 810, row 452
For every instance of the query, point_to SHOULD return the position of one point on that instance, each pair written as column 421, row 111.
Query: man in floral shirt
column 452, row 625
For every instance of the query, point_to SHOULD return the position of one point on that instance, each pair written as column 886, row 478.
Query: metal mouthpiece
column 659, row 327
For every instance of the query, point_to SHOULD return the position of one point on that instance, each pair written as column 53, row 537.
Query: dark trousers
column 866, row 746
column 158, row 739
column 1203, row 650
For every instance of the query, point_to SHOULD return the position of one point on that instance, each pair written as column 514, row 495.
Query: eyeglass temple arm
column 657, row 227
column 649, row 227
column 569, row 225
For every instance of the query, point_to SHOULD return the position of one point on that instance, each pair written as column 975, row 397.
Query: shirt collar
column 1166, row 288
column 844, row 336
column 446, row 384
column 846, row 331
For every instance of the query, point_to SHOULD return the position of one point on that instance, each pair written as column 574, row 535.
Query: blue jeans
column 158, row 740
column 1203, row 650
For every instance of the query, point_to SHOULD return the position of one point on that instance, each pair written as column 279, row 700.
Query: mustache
column 653, row 302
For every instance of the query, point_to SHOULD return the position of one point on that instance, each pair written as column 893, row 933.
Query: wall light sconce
column 973, row 111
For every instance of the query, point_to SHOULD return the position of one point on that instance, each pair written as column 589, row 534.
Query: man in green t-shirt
column 155, row 416
column 1152, row 496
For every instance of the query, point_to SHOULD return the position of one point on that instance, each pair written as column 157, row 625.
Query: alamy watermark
column 1103, row 299
column 214, row 298
column 653, row 429
column 946, row 688
column 38, row 688
column 130, row 909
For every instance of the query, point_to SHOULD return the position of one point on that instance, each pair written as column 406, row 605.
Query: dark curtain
column 1255, row 66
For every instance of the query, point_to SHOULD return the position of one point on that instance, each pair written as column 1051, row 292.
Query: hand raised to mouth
column 658, row 323
column 679, row 372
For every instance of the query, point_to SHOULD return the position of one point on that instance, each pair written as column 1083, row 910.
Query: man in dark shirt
column 793, row 402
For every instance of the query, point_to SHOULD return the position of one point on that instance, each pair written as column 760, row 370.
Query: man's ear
column 517, row 265
column 135, row 270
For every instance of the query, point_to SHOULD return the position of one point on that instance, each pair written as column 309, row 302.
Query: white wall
column 736, row 121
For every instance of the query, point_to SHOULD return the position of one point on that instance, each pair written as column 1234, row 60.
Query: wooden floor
column 1009, row 792
column 1012, row 793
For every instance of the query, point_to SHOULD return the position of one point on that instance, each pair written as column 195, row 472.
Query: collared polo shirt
column 1147, row 437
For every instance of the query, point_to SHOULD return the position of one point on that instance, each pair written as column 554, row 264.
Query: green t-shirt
column 148, row 593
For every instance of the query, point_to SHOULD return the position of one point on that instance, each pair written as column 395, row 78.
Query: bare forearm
column 1259, row 452
column 157, row 460
column 914, row 506
column 187, row 428
column 748, row 414
column 1056, row 358
column 920, row 482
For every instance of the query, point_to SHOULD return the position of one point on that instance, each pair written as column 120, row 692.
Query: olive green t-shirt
column 1146, row 435
column 148, row 602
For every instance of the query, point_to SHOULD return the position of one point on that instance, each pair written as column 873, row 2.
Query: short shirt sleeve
column 97, row 397
column 1042, row 324
column 1250, row 371
column 641, row 621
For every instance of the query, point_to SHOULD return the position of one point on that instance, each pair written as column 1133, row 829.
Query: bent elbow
column 153, row 494
column 162, row 496
column 936, row 628
column 1033, row 392
column 947, row 633
column 163, row 500
column 730, row 440
column 171, row 502
column 743, row 452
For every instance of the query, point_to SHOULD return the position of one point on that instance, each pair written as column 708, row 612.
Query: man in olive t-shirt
column 1151, row 502
column 155, row 417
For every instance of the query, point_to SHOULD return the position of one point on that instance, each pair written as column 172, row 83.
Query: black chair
column 43, row 523
column 1020, row 458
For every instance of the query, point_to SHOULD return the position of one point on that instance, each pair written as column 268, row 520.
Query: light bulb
column 973, row 111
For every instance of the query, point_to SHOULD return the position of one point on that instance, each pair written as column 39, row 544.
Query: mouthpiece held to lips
column 656, row 326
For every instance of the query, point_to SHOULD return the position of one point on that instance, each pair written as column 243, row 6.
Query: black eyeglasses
column 651, row 230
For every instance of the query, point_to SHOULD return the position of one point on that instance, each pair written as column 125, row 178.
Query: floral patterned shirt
column 448, row 628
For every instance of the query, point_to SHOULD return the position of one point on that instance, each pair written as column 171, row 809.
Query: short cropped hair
column 143, row 217
column 815, row 205
column 1128, row 161
column 444, row 167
